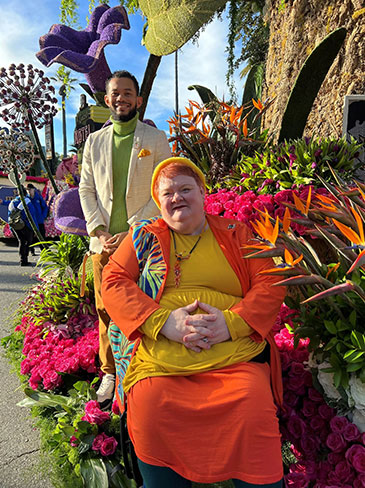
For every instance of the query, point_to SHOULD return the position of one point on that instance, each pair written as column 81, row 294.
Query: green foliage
column 68, row 13
column 330, row 286
column 308, row 83
column 63, row 76
column 64, row 256
column 171, row 24
column 247, row 27
column 213, row 136
column 58, row 299
column 295, row 162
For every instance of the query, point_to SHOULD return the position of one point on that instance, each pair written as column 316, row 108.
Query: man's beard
column 124, row 118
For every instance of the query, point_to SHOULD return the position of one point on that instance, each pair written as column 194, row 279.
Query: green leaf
column 172, row 23
column 358, row 340
column 353, row 355
column 351, row 368
column 308, row 83
column 205, row 94
column 43, row 399
column 330, row 326
column 352, row 318
column 93, row 472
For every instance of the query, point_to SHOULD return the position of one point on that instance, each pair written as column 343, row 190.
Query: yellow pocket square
column 143, row 153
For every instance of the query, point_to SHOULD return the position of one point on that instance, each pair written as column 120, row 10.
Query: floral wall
column 296, row 28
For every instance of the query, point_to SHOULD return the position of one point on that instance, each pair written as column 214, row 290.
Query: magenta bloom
column 108, row 446
column 93, row 414
column 83, row 51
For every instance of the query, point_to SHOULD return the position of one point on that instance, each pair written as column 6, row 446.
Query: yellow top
column 206, row 276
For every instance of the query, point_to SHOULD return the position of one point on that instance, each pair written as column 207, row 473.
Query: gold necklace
column 180, row 257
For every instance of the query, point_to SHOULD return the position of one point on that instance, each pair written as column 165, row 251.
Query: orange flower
column 244, row 128
column 266, row 230
column 257, row 104
column 351, row 235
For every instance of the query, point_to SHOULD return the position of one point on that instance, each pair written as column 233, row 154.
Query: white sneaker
column 105, row 391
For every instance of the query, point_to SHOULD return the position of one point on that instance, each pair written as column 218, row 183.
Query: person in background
column 40, row 208
column 117, row 166
column 25, row 235
column 205, row 375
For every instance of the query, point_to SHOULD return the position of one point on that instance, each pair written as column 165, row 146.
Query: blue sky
column 204, row 62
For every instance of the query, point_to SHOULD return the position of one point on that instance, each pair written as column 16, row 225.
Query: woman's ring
column 205, row 339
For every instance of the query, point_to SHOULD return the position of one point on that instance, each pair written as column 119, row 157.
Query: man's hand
column 175, row 327
column 110, row 243
column 113, row 242
column 206, row 329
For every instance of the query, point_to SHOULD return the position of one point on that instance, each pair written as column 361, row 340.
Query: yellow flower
column 143, row 153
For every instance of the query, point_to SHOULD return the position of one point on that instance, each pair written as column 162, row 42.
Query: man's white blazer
column 96, row 185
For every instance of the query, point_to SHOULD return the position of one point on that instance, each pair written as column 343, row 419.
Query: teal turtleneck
column 122, row 146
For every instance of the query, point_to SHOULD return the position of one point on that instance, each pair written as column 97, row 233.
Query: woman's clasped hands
column 198, row 331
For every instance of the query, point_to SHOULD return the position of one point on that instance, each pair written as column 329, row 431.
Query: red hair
column 175, row 169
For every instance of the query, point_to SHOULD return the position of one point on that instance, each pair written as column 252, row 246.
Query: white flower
column 358, row 418
column 326, row 381
column 357, row 391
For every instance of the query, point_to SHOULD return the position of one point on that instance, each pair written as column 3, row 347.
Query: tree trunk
column 148, row 79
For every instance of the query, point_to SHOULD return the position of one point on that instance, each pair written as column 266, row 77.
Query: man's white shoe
column 105, row 392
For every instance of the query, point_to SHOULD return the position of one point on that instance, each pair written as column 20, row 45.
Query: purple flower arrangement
column 83, row 51
column 329, row 448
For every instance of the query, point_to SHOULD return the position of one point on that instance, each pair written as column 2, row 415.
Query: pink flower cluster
column 93, row 414
column 243, row 207
column 330, row 449
column 104, row 444
column 47, row 354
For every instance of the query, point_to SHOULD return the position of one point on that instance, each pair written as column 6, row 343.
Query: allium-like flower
column 25, row 93
column 83, row 51
column 16, row 151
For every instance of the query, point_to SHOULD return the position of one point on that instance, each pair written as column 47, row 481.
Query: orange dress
column 207, row 425
column 216, row 424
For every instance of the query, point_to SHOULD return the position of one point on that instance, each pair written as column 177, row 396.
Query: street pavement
column 19, row 439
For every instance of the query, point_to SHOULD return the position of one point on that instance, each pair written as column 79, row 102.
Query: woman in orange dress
column 205, row 375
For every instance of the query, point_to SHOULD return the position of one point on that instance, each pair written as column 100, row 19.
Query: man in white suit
column 117, row 167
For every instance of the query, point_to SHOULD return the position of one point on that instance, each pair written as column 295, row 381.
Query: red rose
column 108, row 446
column 351, row 432
column 338, row 424
column 336, row 442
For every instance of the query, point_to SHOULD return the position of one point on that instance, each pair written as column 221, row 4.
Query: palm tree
column 63, row 76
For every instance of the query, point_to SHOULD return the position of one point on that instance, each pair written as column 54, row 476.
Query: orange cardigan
column 129, row 307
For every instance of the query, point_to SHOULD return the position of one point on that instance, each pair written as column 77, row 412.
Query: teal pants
column 160, row 477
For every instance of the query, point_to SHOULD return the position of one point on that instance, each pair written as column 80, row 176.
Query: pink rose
column 309, row 408
column 317, row 423
column 351, row 432
column 358, row 461
column 296, row 480
column 93, row 414
column 359, row 482
column 296, row 426
column 108, row 446
column 74, row 441
column 334, row 458
column 325, row 411
column 344, row 472
column 336, row 442
column 115, row 408
column 338, row 424
column 98, row 441
column 309, row 445
column 314, row 395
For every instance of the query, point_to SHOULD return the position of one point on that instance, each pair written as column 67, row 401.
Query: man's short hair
column 122, row 74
